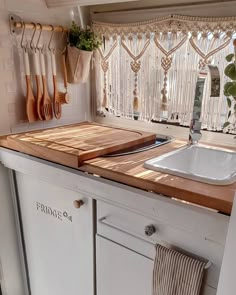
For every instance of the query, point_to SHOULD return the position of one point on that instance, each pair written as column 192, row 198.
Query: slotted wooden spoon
column 31, row 107
column 46, row 104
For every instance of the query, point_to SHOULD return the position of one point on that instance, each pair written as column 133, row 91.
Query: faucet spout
column 195, row 125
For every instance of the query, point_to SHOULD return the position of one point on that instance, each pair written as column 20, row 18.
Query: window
column 148, row 70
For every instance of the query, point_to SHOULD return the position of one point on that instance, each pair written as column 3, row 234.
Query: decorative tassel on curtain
column 148, row 70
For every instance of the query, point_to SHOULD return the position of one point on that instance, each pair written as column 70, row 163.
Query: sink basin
column 160, row 140
column 209, row 165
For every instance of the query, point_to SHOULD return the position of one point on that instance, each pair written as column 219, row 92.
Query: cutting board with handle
column 73, row 144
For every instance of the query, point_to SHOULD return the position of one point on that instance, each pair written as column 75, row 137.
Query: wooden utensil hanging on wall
column 39, row 94
column 57, row 96
column 65, row 98
column 31, row 107
column 46, row 104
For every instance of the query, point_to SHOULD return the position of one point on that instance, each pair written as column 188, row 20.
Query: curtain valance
column 148, row 70
column 170, row 23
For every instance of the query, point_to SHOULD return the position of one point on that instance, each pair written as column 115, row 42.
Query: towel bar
column 106, row 221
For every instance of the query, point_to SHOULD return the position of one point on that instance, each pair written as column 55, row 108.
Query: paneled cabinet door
column 58, row 237
column 121, row 271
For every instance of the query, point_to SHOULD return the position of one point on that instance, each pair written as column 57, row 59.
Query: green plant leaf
column 226, row 124
column 229, row 57
column 230, row 71
column 226, row 87
column 232, row 89
column 229, row 103
column 229, row 114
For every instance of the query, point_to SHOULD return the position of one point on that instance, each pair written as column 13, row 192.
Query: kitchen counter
column 129, row 170
column 72, row 145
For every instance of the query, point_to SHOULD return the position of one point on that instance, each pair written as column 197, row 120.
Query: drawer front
column 128, row 229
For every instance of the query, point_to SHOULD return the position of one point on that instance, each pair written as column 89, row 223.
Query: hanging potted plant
column 230, row 89
column 81, row 44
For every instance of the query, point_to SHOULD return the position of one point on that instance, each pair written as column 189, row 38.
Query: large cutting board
column 71, row 145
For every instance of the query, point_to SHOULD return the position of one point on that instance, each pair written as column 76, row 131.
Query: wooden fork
column 47, row 103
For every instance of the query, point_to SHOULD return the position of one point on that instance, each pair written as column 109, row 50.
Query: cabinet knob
column 78, row 203
column 150, row 230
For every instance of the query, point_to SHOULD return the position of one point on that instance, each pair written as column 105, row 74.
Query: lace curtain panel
column 148, row 70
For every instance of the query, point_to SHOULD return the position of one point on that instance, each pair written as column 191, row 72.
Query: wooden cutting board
column 73, row 144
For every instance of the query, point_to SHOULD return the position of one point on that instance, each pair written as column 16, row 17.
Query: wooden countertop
column 129, row 170
column 83, row 144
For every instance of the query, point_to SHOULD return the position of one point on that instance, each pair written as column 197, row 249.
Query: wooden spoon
column 46, row 104
column 39, row 95
column 31, row 107
column 57, row 95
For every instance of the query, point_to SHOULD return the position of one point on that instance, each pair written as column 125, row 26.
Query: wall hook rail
column 16, row 26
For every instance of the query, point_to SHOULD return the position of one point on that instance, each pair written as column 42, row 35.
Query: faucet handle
column 194, row 137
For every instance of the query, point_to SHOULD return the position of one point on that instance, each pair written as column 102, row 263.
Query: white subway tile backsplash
column 12, row 79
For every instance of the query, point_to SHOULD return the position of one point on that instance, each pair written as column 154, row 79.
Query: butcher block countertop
column 129, row 170
column 81, row 146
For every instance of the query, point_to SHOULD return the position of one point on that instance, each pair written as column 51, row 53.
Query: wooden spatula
column 65, row 97
column 39, row 95
column 46, row 104
column 57, row 95
column 31, row 107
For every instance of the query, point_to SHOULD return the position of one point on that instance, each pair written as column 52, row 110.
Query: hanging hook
column 22, row 37
column 32, row 39
column 49, row 44
column 41, row 29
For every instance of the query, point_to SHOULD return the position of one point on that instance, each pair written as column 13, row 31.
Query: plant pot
column 78, row 64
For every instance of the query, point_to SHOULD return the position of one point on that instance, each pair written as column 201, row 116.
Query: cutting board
column 73, row 144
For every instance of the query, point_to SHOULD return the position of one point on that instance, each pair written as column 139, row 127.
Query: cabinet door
column 121, row 271
column 58, row 238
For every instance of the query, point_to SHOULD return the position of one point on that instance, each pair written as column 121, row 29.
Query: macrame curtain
column 148, row 70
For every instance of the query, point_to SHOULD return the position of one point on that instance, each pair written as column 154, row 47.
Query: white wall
column 12, row 83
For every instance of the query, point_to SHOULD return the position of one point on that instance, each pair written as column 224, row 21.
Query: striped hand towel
column 176, row 274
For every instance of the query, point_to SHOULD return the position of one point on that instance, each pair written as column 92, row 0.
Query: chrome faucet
column 195, row 125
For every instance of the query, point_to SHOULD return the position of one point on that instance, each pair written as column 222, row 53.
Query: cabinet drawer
column 128, row 229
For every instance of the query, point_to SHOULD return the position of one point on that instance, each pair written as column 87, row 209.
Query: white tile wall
column 12, row 83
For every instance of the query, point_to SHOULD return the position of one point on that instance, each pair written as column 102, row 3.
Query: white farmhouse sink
column 209, row 165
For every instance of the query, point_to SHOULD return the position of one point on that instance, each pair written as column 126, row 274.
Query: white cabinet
column 58, row 238
column 126, row 251
column 121, row 271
